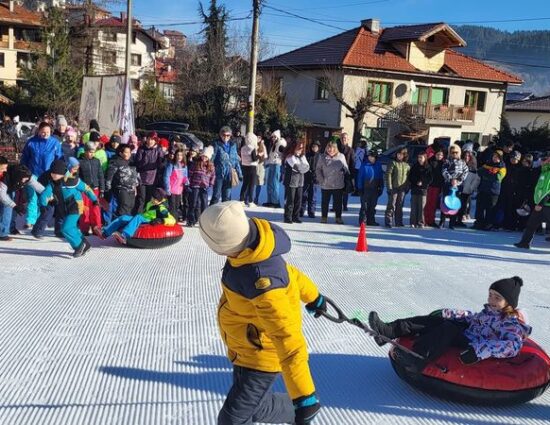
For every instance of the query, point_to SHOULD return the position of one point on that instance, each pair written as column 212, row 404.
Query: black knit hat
column 509, row 289
column 58, row 167
column 159, row 194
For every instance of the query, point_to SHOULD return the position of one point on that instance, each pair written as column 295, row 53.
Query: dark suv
column 170, row 129
column 386, row 156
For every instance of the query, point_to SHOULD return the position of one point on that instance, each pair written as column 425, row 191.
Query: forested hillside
column 526, row 53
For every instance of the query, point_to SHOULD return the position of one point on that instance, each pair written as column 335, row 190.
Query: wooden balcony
column 27, row 45
column 443, row 114
column 4, row 44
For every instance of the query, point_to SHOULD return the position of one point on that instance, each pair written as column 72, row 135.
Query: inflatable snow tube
column 157, row 236
column 489, row 382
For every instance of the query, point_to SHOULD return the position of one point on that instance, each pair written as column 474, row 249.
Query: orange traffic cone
column 362, row 245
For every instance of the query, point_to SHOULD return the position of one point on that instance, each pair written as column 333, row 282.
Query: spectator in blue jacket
column 370, row 185
column 38, row 154
column 226, row 162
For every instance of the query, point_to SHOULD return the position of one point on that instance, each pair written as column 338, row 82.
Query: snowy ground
column 125, row 336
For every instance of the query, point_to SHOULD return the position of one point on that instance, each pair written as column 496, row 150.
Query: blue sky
column 285, row 33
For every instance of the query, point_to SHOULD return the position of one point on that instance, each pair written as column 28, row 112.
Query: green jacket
column 397, row 175
column 152, row 212
column 542, row 189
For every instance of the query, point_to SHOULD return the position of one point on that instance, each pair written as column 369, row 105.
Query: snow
column 126, row 336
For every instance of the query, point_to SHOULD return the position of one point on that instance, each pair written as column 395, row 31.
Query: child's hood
column 272, row 241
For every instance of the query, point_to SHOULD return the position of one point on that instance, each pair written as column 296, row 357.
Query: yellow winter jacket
column 260, row 315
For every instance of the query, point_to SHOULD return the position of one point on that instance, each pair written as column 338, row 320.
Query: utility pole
column 128, row 40
column 253, row 65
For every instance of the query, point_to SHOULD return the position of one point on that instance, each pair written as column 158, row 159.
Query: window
column 421, row 96
column 136, row 59
column 474, row 137
column 440, row 96
column 475, row 99
column 109, row 36
column 2, row 60
column 109, row 57
column 135, row 84
column 380, row 92
column 278, row 85
column 134, row 37
column 321, row 90
column 424, row 95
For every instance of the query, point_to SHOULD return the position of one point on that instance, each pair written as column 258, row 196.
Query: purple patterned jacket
column 491, row 334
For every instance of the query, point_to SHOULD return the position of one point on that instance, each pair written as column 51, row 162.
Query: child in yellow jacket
column 260, row 319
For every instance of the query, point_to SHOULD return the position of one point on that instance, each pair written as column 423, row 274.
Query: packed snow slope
column 126, row 336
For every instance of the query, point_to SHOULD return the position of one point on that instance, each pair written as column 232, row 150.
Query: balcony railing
column 27, row 45
column 451, row 113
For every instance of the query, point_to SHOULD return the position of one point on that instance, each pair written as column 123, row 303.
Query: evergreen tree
column 54, row 83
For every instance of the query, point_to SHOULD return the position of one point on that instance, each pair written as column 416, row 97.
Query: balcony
column 27, row 45
column 442, row 114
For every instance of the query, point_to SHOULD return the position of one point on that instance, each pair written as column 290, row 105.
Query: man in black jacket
column 122, row 181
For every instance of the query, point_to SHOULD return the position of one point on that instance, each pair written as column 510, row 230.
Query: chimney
column 372, row 25
column 123, row 16
column 12, row 5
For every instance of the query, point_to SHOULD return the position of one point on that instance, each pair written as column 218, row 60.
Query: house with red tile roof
column 412, row 74
column 19, row 36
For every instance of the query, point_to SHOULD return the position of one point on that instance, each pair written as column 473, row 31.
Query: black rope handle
column 342, row 318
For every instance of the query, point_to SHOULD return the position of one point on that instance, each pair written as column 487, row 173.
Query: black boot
column 82, row 249
column 381, row 328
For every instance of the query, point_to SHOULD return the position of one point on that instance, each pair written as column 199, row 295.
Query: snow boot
column 98, row 232
column 82, row 249
column 120, row 238
column 380, row 328
column 522, row 245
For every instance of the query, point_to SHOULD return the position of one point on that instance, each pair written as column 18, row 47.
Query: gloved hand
column 318, row 306
column 469, row 356
column 20, row 209
column 306, row 408
column 156, row 221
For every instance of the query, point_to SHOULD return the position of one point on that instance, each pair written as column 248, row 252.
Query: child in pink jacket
column 175, row 181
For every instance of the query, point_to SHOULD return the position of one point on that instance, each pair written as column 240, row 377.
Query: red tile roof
column 362, row 49
column 20, row 15
column 468, row 67
column 165, row 72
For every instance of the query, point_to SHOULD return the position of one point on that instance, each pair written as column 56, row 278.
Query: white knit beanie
column 225, row 228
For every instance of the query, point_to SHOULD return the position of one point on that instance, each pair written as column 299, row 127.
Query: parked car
column 170, row 130
column 386, row 156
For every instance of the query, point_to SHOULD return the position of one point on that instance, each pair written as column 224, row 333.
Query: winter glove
column 156, row 221
column 469, row 356
column 20, row 209
column 306, row 408
column 317, row 307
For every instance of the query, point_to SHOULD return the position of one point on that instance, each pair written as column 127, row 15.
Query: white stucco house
column 534, row 112
column 20, row 34
column 411, row 71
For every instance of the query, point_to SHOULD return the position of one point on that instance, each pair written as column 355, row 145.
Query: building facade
column 418, row 86
column 534, row 112
column 20, row 37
